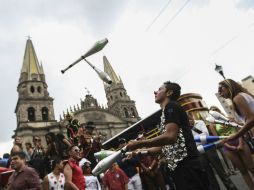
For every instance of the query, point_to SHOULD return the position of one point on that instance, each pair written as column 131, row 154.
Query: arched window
column 126, row 112
column 39, row 89
column 32, row 89
column 133, row 113
column 31, row 114
column 44, row 113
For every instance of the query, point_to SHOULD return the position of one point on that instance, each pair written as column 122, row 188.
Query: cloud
column 93, row 16
column 245, row 4
column 5, row 147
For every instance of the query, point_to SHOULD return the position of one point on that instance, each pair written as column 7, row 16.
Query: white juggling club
column 222, row 122
column 98, row 46
column 103, row 154
column 107, row 162
column 218, row 115
column 104, row 76
column 203, row 148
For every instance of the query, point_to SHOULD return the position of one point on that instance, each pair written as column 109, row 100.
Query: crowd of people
column 172, row 163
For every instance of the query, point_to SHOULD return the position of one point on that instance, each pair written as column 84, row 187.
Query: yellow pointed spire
column 30, row 63
column 110, row 71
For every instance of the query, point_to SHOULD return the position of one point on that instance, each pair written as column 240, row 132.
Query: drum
column 193, row 103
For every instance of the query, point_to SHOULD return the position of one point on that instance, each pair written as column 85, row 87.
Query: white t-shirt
column 92, row 183
column 201, row 126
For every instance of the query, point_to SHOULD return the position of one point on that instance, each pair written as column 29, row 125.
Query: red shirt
column 77, row 175
column 115, row 180
column 26, row 178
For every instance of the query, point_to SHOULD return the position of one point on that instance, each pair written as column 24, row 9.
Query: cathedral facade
column 35, row 109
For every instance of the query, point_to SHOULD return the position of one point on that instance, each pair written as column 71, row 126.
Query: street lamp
column 219, row 69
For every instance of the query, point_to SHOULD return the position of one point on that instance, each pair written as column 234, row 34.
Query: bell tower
column 34, row 109
column 118, row 100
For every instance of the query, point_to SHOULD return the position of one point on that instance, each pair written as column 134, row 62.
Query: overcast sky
column 150, row 41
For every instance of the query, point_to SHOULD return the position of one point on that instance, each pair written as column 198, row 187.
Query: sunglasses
column 214, row 109
column 87, row 166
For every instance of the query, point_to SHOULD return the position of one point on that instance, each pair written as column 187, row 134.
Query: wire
column 161, row 11
column 224, row 45
column 231, row 40
column 173, row 18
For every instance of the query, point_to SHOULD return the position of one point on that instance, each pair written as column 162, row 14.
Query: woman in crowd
column 55, row 180
column 38, row 156
column 91, row 181
column 235, row 148
column 63, row 145
column 52, row 150
column 243, row 104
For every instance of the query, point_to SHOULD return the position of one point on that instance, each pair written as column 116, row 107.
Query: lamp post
column 219, row 69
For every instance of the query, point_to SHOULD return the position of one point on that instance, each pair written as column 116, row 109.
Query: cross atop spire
column 29, row 37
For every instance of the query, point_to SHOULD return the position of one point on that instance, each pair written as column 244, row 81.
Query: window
column 44, row 113
column 133, row 112
column 126, row 112
column 32, row 89
column 31, row 114
column 39, row 89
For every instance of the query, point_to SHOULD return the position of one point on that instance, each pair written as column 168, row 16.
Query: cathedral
column 35, row 109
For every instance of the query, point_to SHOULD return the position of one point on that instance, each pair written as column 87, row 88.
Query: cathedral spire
column 31, row 69
column 110, row 71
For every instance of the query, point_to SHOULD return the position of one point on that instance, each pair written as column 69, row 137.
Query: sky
column 150, row 42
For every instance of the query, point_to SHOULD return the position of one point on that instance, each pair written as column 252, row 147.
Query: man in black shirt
column 176, row 142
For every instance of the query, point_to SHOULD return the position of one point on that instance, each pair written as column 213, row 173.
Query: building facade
column 35, row 109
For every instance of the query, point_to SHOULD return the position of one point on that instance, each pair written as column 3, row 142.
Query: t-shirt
column 185, row 145
column 199, row 128
column 92, row 183
column 27, row 178
column 115, row 180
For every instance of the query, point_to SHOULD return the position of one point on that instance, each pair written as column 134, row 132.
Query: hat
column 89, row 125
column 83, row 161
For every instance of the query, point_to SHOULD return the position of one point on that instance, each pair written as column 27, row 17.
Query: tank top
column 54, row 183
column 250, row 101
column 77, row 175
